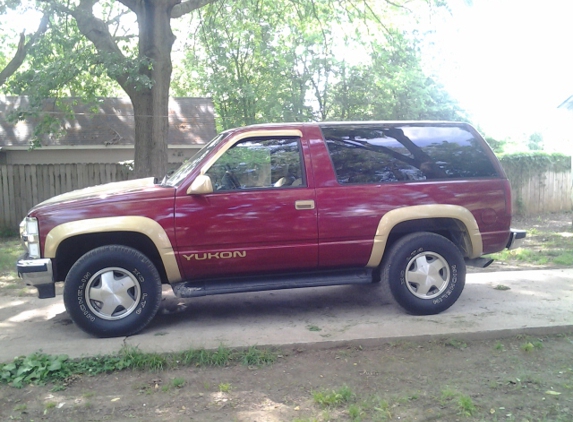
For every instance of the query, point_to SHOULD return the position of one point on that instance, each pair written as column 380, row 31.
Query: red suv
column 404, row 204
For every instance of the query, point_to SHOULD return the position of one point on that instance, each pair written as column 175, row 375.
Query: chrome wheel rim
column 427, row 275
column 113, row 293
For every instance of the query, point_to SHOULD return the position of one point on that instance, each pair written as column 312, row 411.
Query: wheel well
column 450, row 228
column 71, row 249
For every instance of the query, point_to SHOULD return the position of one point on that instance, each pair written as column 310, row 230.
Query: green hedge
column 525, row 165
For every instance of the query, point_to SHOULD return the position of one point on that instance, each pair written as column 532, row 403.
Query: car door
column 259, row 218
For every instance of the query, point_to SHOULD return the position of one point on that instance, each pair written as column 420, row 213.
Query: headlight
column 30, row 234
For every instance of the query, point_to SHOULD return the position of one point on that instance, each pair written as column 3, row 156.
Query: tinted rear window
column 382, row 154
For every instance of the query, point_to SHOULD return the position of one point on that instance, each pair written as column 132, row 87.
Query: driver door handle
column 304, row 205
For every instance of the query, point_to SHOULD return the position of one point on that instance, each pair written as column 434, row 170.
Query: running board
column 187, row 289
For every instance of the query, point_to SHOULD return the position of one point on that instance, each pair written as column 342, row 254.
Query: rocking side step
column 187, row 289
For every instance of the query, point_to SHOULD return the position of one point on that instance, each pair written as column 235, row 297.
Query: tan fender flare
column 400, row 215
column 146, row 226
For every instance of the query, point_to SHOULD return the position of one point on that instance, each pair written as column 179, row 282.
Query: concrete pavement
column 533, row 302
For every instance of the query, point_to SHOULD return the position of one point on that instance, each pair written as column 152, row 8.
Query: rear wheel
column 425, row 273
column 112, row 291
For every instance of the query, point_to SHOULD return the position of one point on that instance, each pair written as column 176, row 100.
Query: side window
column 366, row 154
column 257, row 163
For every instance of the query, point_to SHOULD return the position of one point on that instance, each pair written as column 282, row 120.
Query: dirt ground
column 450, row 379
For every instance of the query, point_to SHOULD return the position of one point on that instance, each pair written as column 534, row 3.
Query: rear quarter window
column 395, row 153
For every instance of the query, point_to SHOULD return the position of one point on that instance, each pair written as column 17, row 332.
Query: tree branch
column 23, row 48
column 188, row 6
column 97, row 31
column 130, row 4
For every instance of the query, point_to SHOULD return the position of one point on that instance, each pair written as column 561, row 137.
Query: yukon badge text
column 216, row 255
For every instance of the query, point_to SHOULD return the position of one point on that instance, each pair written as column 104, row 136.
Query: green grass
column 541, row 248
column 40, row 368
column 466, row 405
column 225, row 387
column 10, row 250
column 178, row 382
column 531, row 346
column 333, row 398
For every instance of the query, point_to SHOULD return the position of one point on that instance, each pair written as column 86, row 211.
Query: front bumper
column 37, row 273
column 516, row 239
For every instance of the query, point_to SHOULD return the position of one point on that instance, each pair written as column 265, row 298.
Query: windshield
column 187, row 167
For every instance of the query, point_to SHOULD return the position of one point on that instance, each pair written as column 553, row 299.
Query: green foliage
column 497, row 146
column 178, row 382
column 466, row 405
column 40, row 368
column 10, row 250
column 524, row 165
column 535, row 142
column 258, row 357
column 264, row 61
column 36, row 368
column 63, row 64
column 333, row 398
column 225, row 387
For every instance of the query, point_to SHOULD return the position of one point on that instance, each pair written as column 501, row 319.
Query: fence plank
column 23, row 186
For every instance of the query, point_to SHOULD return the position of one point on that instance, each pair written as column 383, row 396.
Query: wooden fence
column 549, row 192
column 23, row 186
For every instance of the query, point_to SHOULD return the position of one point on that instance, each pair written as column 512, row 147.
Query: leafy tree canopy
column 261, row 60
column 264, row 60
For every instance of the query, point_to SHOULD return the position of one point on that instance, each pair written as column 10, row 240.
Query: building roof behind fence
column 109, row 122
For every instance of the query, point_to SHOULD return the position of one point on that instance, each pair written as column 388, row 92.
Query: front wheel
column 425, row 273
column 112, row 291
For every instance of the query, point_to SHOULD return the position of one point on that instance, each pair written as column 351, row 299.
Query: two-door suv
column 404, row 204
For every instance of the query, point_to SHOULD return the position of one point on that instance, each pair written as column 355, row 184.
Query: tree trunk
column 151, row 105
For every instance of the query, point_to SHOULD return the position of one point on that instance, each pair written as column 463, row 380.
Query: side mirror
column 201, row 185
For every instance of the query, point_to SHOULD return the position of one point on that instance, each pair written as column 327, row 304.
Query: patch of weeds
column 37, row 368
column 20, row 407
column 382, row 409
column 565, row 258
column 225, row 387
column 59, row 387
column 502, row 287
column 40, row 368
column 221, row 356
column 50, row 405
column 447, row 395
column 136, row 359
column 178, row 382
column 499, row 346
column 531, row 346
column 456, row 344
column 202, row 357
column 355, row 412
column 10, row 250
column 313, row 328
column 258, row 357
column 333, row 398
column 143, row 389
column 466, row 405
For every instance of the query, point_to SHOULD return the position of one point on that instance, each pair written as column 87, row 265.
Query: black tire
column 425, row 272
column 130, row 297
